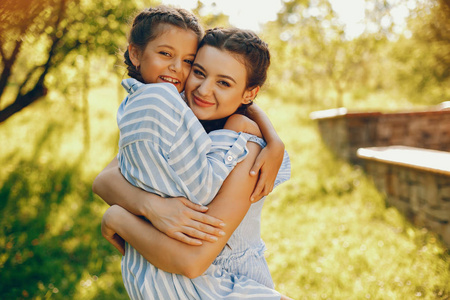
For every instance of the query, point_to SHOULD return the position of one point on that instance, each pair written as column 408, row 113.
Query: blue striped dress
column 164, row 149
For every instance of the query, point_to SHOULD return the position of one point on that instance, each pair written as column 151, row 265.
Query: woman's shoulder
column 241, row 123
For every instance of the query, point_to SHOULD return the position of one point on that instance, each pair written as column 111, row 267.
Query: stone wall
column 345, row 132
column 415, row 176
column 415, row 181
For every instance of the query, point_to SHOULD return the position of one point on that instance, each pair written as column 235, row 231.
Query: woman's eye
column 189, row 61
column 224, row 83
column 199, row 73
column 164, row 53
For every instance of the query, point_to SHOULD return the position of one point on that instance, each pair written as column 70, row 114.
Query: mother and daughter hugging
column 195, row 158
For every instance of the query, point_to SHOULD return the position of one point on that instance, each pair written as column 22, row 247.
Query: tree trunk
column 23, row 101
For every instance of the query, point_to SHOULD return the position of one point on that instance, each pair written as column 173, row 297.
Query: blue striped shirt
column 165, row 150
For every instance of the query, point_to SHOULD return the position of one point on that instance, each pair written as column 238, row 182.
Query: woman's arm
column 178, row 217
column 269, row 161
column 170, row 255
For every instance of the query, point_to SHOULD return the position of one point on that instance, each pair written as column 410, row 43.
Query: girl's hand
column 184, row 221
column 108, row 232
column 267, row 165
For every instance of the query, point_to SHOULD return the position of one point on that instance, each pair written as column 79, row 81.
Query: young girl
column 141, row 131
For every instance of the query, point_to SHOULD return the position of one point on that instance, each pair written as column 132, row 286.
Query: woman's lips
column 202, row 103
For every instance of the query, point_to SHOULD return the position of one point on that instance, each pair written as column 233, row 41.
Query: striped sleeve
column 203, row 162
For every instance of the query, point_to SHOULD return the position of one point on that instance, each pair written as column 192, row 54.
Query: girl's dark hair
column 250, row 49
column 146, row 27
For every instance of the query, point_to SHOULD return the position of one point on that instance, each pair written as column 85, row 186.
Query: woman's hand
column 108, row 232
column 267, row 165
column 183, row 220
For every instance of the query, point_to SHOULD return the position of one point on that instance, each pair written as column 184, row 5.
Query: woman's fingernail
column 222, row 233
column 252, row 172
column 214, row 238
column 222, row 224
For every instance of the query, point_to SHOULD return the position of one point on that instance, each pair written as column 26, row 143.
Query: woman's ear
column 250, row 95
column 134, row 53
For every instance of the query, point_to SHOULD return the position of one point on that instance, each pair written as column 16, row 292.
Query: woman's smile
column 200, row 102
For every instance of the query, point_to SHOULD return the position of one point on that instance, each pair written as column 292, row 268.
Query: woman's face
column 167, row 58
column 216, row 86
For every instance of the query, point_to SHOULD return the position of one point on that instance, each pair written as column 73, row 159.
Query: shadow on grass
column 50, row 240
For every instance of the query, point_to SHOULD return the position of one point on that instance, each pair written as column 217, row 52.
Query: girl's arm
column 174, row 256
column 269, row 160
column 179, row 218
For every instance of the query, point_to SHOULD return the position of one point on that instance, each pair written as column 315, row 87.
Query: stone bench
column 414, row 180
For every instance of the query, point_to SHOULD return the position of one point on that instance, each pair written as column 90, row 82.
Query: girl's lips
column 170, row 80
column 202, row 103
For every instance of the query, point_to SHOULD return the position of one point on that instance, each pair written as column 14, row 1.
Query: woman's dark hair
column 147, row 26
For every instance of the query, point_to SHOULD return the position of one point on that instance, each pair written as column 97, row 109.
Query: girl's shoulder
column 133, row 86
column 164, row 94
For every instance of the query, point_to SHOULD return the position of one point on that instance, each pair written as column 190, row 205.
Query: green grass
column 328, row 232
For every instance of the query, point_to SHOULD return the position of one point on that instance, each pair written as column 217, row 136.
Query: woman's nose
column 204, row 88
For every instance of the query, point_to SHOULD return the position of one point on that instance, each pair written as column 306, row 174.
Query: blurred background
column 328, row 231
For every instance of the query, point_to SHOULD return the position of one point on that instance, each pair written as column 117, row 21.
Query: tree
column 39, row 36
column 311, row 49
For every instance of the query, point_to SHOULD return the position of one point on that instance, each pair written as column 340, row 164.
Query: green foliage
column 327, row 230
column 312, row 53
column 50, row 241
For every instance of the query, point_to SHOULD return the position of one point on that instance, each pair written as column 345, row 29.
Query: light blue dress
column 164, row 149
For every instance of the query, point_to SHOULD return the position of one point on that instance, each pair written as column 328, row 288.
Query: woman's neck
column 211, row 125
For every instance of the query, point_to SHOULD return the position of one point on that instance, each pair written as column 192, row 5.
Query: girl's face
column 167, row 58
column 216, row 86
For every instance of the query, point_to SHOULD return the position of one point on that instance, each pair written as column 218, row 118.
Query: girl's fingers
column 256, row 195
column 207, row 220
column 201, row 235
column 255, row 168
column 196, row 207
column 186, row 239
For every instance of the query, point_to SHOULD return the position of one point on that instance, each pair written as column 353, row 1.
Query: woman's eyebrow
column 220, row 75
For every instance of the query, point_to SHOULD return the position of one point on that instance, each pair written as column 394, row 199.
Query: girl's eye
column 189, row 61
column 164, row 53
